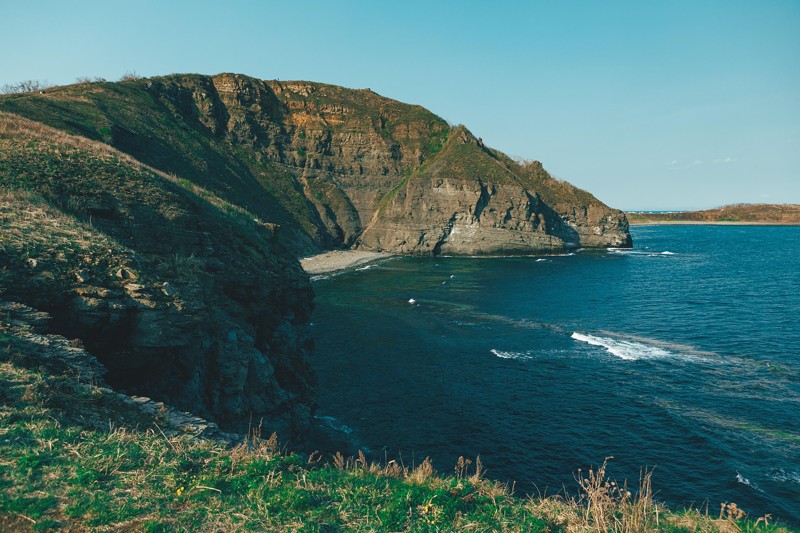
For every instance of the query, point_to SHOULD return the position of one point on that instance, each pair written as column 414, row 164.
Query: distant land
column 765, row 214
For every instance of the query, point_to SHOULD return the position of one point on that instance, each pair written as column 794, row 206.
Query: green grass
column 75, row 456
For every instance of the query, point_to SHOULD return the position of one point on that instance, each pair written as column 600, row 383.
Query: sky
column 647, row 104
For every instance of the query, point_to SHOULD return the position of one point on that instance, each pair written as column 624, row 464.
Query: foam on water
column 628, row 251
column 519, row 356
column 785, row 476
column 744, row 481
column 624, row 349
column 334, row 423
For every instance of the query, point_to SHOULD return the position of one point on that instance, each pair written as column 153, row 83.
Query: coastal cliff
column 160, row 220
column 334, row 167
column 180, row 295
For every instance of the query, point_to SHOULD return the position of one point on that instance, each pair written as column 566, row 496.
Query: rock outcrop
column 159, row 220
column 334, row 167
column 181, row 296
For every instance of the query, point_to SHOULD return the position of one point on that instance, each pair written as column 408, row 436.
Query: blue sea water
column 682, row 354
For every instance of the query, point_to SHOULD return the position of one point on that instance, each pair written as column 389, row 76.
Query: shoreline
column 336, row 260
column 707, row 223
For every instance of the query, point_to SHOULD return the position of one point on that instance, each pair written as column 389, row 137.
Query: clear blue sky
column 647, row 104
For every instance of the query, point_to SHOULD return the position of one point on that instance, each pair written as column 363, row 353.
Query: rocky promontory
column 334, row 167
column 158, row 223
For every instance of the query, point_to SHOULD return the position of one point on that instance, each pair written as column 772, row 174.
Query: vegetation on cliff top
column 76, row 457
column 737, row 213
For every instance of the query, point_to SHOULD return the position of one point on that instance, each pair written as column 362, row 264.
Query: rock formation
column 159, row 220
column 181, row 296
column 334, row 167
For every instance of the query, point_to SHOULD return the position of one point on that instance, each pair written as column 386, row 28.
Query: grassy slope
column 73, row 456
column 164, row 135
column 742, row 213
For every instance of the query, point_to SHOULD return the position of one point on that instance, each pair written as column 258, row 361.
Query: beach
column 339, row 260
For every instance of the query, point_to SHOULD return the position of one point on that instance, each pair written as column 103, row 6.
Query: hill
column 788, row 214
column 179, row 294
column 334, row 167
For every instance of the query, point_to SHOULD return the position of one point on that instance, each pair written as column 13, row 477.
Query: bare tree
column 27, row 86
column 129, row 76
column 88, row 79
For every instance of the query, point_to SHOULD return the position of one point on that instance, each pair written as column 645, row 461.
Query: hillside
column 180, row 295
column 788, row 214
column 334, row 167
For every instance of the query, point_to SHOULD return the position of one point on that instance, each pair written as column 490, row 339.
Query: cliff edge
column 334, row 167
column 180, row 295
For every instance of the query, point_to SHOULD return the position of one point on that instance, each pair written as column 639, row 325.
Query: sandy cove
column 339, row 260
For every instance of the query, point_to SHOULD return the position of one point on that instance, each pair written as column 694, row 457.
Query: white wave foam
column 365, row 267
column 628, row 251
column 518, row 356
column 628, row 350
column 319, row 277
column 333, row 423
column 782, row 476
column 744, row 481
column 540, row 260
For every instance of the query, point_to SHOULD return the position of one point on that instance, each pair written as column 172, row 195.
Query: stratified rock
column 216, row 320
column 334, row 167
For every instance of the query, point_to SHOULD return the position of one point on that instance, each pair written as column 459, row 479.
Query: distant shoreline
column 339, row 260
column 729, row 215
column 706, row 223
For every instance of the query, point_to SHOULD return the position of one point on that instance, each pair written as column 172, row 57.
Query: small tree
column 27, row 86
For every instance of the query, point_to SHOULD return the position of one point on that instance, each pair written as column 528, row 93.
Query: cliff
column 180, row 295
column 159, row 221
column 334, row 167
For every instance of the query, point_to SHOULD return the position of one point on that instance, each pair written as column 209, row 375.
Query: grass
column 74, row 456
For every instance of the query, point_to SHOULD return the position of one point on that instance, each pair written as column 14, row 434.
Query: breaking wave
column 628, row 350
column 518, row 356
column 744, row 481
column 628, row 251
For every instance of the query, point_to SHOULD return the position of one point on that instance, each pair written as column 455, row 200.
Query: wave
column 364, row 267
column 744, row 481
column 626, row 251
column 334, row 424
column 518, row 356
column 782, row 476
column 628, row 350
column 319, row 277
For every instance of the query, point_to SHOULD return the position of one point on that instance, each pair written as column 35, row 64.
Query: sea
column 680, row 355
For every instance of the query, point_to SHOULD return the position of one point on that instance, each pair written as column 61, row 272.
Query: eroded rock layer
column 180, row 295
column 334, row 167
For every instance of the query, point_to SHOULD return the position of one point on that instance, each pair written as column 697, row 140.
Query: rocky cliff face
column 180, row 295
column 334, row 167
column 158, row 220
column 472, row 200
